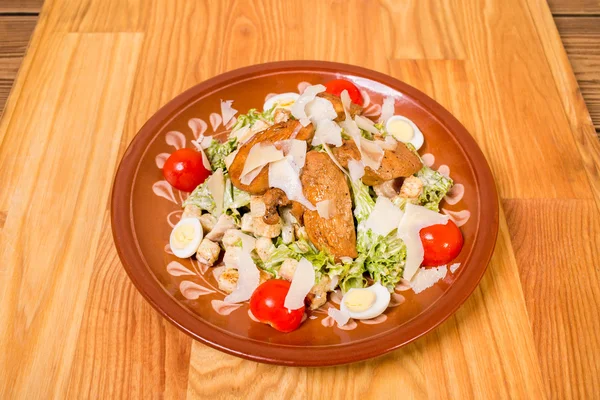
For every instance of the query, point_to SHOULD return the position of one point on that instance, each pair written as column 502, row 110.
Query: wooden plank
column 118, row 333
column 15, row 32
column 93, row 76
column 582, row 7
column 581, row 38
column 21, row 6
column 574, row 106
column 556, row 245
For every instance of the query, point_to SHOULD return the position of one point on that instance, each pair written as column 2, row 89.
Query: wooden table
column 73, row 326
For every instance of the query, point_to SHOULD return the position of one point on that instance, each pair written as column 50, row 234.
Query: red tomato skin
column 266, row 304
column 337, row 86
column 184, row 170
column 441, row 243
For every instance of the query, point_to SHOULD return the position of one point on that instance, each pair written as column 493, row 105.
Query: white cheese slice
column 416, row 218
column 366, row 124
column 299, row 107
column 248, row 280
column 356, row 169
column 387, row 109
column 302, row 281
column 327, row 132
column 216, row 186
column 259, row 155
column 230, row 157
column 248, row 242
column 320, row 109
column 339, row 316
column 325, row 209
column 282, row 175
column 384, row 218
column 427, row 277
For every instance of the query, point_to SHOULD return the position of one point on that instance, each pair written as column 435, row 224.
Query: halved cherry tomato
column 441, row 243
column 337, row 86
column 184, row 170
column 266, row 304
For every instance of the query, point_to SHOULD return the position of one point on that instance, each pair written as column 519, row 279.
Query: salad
column 307, row 197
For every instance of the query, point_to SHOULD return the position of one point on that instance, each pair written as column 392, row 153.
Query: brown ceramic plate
column 144, row 207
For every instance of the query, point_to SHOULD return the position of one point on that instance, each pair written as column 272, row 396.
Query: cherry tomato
column 267, row 306
column 184, row 170
column 337, row 86
column 441, row 243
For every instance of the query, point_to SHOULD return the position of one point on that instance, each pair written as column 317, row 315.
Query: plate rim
column 147, row 284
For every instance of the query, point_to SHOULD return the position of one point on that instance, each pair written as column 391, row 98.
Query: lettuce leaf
column 233, row 198
column 435, row 187
column 217, row 152
column 252, row 116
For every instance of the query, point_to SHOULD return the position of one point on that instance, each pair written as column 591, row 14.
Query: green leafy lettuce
column 233, row 198
column 383, row 257
column 322, row 261
column 435, row 187
column 252, row 116
column 217, row 152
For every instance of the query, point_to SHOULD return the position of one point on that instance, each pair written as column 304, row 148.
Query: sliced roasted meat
column 339, row 107
column 274, row 198
column 322, row 180
column 290, row 129
column 400, row 162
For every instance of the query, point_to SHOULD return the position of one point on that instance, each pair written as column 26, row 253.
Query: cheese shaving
column 282, row 175
column 302, row 282
column 454, row 267
column 299, row 108
column 259, row 155
column 327, row 132
column 339, row 316
column 216, row 186
column 427, row 277
column 230, row 157
column 356, row 168
column 248, row 280
column 248, row 242
column 385, row 217
column 387, row 109
column 366, row 124
column 325, row 209
column 416, row 218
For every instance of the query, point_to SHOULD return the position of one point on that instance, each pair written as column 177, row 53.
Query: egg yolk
column 359, row 300
column 286, row 103
column 401, row 130
column 183, row 235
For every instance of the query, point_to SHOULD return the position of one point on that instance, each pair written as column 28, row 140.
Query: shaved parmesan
column 248, row 280
column 346, row 260
column 224, row 223
column 371, row 153
column 356, row 168
column 454, row 267
column 325, row 209
column 248, row 242
column 216, row 186
column 282, row 175
column 243, row 134
column 320, row 109
column 259, row 126
column 302, row 282
column 387, row 109
column 385, row 217
column 366, row 124
column 335, row 161
column 339, row 316
column 416, row 218
column 296, row 149
column 327, row 132
column 299, row 108
column 227, row 111
column 427, row 277
column 230, row 157
column 206, row 142
column 205, row 161
column 388, row 144
column 259, row 155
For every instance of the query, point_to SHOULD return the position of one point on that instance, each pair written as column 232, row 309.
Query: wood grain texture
column 75, row 326
column 42, row 314
column 21, row 6
column 556, row 245
column 581, row 7
column 581, row 38
column 15, row 32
